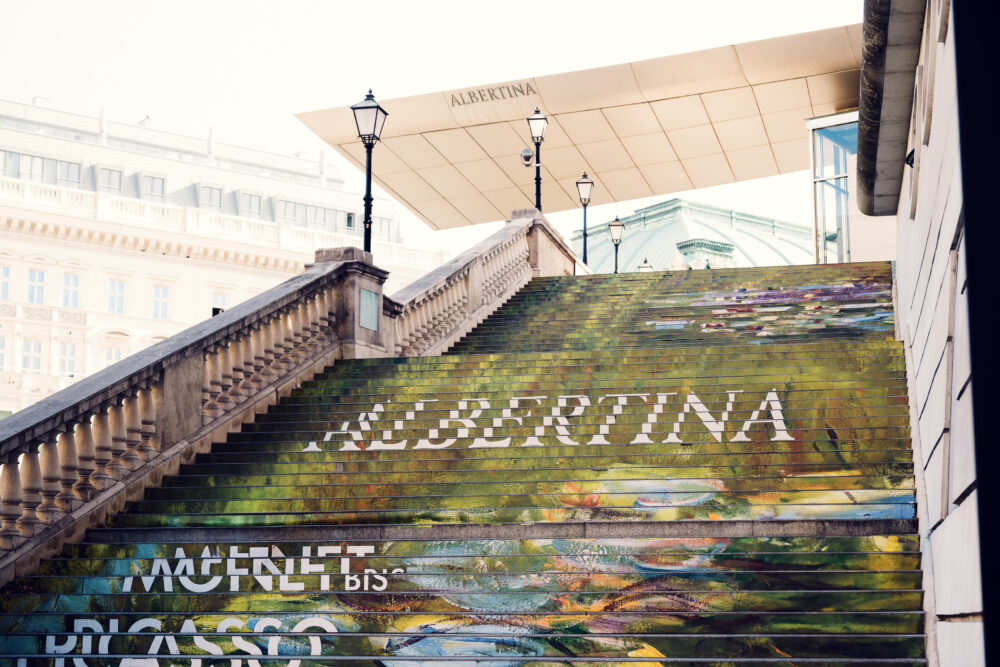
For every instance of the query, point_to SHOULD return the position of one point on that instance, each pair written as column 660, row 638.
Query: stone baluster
column 86, row 455
column 101, row 477
column 245, row 345
column 11, row 497
column 280, row 364
column 312, row 322
column 308, row 342
column 295, row 335
column 270, row 371
column 259, row 355
column 48, row 455
column 147, row 400
column 29, row 522
column 211, row 386
column 66, row 500
column 134, row 456
column 206, row 385
column 235, row 354
column 120, row 465
column 225, row 373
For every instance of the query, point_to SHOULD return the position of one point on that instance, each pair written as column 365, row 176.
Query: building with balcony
column 115, row 236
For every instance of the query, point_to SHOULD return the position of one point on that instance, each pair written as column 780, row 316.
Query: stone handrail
column 69, row 460
column 76, row 455
column 435, row 311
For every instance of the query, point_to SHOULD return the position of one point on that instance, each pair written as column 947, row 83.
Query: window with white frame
column 112, row 354
column 160, row 296
column 3, row 352
column 111, row 181
column 288, row 211
column 31, row 167
column 218, row 300
column 71, row 290
column 36, row 286
column 250, row 205
column 68, row 174
column 4, row 283
column 153, row 188
column 31, row 360
column 116, row 296
column 67, row 359
column 211, row 197
column 349, row 221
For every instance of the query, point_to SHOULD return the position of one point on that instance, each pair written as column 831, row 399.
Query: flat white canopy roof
column 652, row 127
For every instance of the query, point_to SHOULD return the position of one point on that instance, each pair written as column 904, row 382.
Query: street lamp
column 369, row 116
column 645, row 266
column 617, row 229
column 537, row 122
column 584, row 186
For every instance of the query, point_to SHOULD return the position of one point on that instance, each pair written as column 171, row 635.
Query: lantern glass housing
column 617, row 229
column 537, row 123
column 369, row 116
column 585, row 186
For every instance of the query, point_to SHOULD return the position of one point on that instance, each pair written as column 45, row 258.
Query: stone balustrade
column 69, row 460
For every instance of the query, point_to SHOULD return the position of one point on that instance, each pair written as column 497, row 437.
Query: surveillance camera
column 527, row 157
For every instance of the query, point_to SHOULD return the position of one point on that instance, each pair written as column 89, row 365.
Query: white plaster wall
column 933, row 322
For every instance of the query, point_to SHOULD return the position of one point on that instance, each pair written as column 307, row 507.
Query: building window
column 349, row 222
column 68, row 174
column 3, row 352
column 111, row 181
column 211, row 197
column 32, row 168
column 218, row 300
column 153, row 188
column 31, row 361
column 36, row 286
column 116, row 296
column 250, row 205
column 832, row 148
column 288, row 211
column 71, row 290
column 67, row 359
column 4, row 283
column 112, row 355
column 160, row 294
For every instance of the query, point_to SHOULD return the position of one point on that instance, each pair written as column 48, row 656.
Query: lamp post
column 584, row 186
column 369, row 116
column 537, row 122
column 617, row 228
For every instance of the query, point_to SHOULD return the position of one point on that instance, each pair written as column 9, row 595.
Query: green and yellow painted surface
column 706, row 467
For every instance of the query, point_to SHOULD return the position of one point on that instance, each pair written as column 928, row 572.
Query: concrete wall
column 933, row 322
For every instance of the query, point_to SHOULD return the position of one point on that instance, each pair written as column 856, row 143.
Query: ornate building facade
column 115, row 236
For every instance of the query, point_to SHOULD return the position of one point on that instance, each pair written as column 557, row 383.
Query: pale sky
column 245, row 67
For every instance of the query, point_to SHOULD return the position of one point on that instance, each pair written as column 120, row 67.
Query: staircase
column 705, row 467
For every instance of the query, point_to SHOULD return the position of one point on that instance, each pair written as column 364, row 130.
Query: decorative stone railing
column 433, row 312
column 79, row 455
column 72, row 458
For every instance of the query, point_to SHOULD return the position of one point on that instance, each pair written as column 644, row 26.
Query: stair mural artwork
column 699, row 467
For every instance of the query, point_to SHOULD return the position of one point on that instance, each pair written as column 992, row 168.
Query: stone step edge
column 485, row 531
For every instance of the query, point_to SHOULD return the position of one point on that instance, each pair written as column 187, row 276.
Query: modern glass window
column 4, row 283
column 31, row 360
column 32, row 167
column 111, row 181
column 250, row 205
column 67, row 358
column 153, row 188
column 288, row 211
column 36, row 286
column 832, row 146
column 116, row 296
column 160, row 295
column 211, row 197
column 71, row 290
column 68, row 174
column 218, row 300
